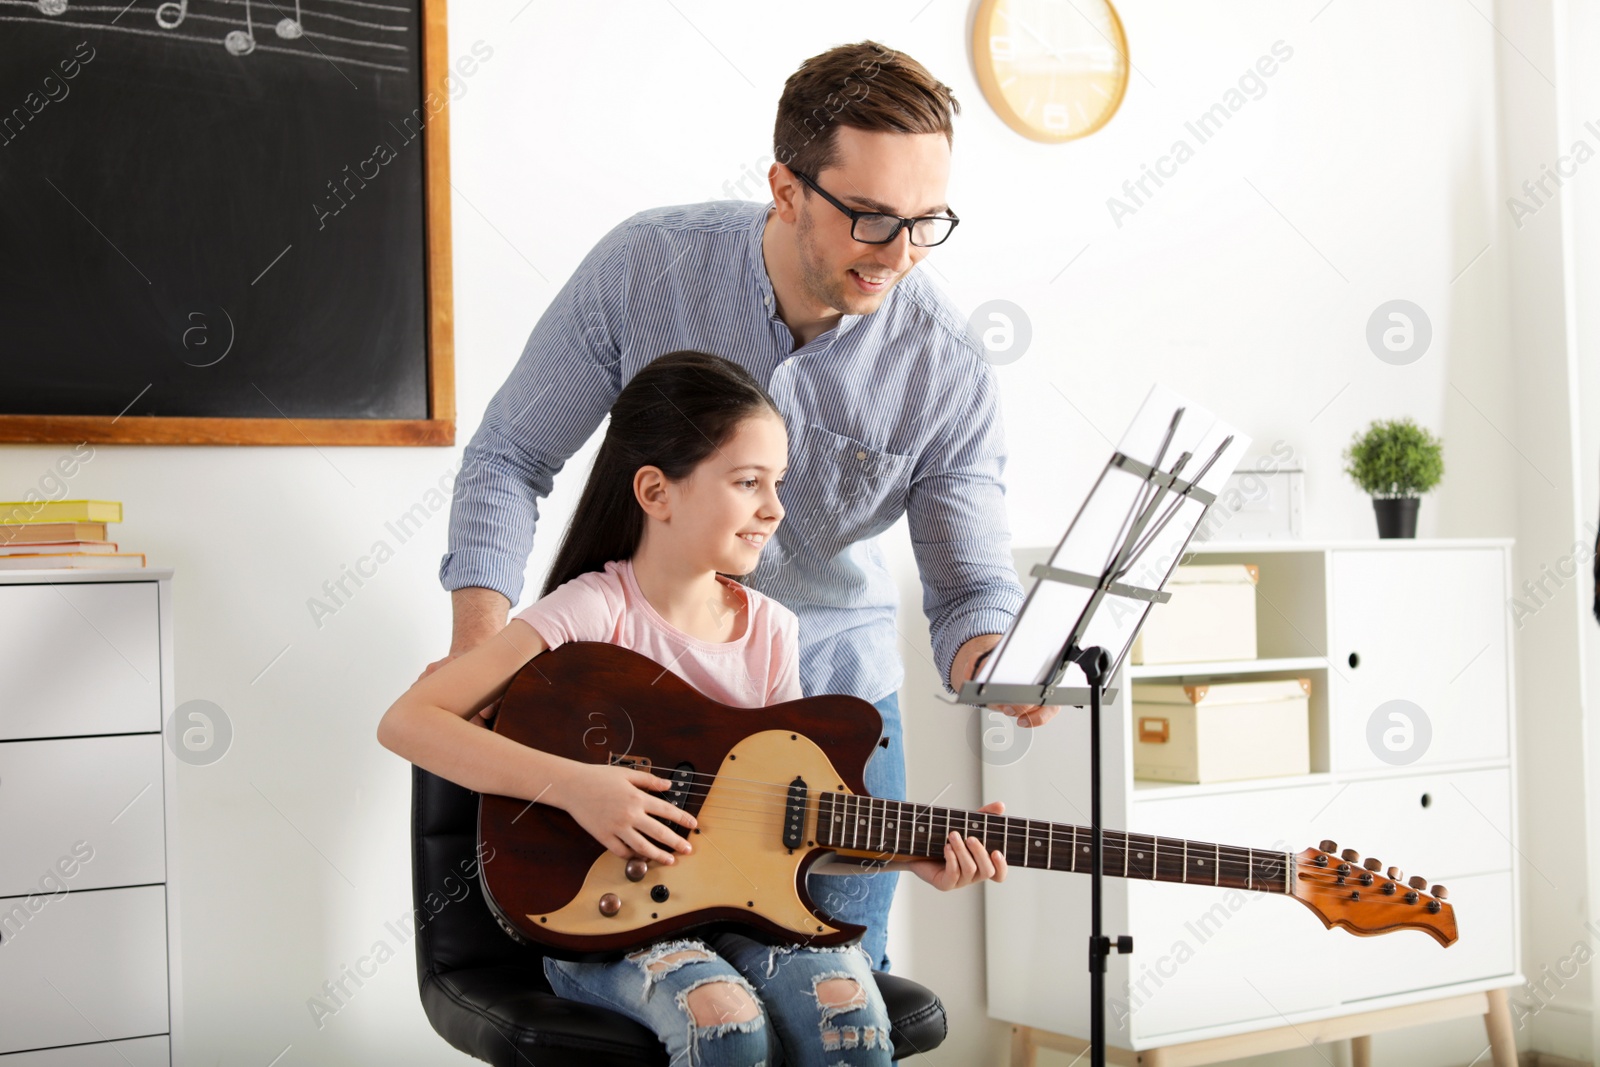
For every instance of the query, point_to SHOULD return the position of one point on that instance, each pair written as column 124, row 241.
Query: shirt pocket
column 842, row 490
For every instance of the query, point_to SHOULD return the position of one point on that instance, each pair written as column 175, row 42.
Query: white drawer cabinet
column 88, row 946
column 1368, row 623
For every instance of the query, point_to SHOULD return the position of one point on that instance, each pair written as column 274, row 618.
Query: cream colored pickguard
column 739, row 860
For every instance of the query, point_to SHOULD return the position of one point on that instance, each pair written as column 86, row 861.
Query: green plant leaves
column 1395, row 458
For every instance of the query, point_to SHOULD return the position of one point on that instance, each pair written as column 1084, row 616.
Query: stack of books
column 56, row 534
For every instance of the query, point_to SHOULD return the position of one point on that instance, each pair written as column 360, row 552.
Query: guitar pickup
column 794, row 814
column 682, row 780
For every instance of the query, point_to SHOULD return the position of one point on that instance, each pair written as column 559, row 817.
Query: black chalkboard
column 215, row 209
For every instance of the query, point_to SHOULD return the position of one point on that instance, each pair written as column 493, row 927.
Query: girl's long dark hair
column 672, row 415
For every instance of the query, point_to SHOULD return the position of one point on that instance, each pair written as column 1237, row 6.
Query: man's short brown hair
column 865, row 86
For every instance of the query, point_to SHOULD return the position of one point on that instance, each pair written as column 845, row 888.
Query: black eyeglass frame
column 904, row 223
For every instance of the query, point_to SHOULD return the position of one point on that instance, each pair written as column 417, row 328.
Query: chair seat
column 498, row 1015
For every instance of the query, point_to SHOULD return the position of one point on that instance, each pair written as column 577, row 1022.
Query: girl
column 683, row 491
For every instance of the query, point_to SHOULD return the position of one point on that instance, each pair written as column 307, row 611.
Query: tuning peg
column 1440, row 892
column 1329, row 846
column 1416, row 881
column 1396, row 874
column 1372, row 863
column 1351, row 855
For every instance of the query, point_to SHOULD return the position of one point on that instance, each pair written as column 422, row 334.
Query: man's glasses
column 875, row 228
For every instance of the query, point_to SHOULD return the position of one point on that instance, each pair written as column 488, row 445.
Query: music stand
column 1092, row 596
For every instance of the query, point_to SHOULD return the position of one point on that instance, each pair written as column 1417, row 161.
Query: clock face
column 1052, row 69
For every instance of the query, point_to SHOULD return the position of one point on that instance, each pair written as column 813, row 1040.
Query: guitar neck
column 892, row 829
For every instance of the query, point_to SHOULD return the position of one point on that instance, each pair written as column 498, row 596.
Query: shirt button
column 767, row 300
column 861, row 455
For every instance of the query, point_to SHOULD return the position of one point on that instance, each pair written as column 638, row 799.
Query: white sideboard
column 88, row 913
column 1368, row 622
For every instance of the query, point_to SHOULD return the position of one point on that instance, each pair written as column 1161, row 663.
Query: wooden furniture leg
column 1023, row 1051
column 1497, row 1020
column 1361, row 1050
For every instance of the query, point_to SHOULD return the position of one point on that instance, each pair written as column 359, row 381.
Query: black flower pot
column 1397, row 516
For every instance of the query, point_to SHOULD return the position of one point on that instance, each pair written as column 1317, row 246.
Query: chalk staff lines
column 241, row 40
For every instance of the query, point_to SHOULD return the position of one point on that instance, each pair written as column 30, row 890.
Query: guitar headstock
column 1366, row 900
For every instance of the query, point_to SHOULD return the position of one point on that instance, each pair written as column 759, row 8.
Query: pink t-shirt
column 760, row 667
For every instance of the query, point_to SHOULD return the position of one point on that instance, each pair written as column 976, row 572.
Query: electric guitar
column 776, row 789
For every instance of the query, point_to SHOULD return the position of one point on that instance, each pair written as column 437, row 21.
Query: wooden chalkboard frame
column 439, row 428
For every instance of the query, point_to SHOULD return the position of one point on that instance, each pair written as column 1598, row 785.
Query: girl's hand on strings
column 966, row 861
column 617, row 806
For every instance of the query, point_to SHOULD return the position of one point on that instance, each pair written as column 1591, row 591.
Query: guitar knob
column 1440, row 892
column 1373, row 864
column 610, row 904
column 1329, row 846
column 636, row 869
column 1352, row 855
column 1416, row 881
column 1396, row 874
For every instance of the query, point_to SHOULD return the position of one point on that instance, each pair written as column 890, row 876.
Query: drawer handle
column 1355, row 660
column 1153, row 731
column 1427, row 800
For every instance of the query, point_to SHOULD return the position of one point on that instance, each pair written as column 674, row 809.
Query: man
column 890, row 407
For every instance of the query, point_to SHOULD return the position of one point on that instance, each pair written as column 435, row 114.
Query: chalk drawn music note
column 242, row 42
column 169, row 16
column 290, row 28
column 354, row 38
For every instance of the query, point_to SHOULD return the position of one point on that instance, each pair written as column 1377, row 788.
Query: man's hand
column 479, row 614
column 961, row 673
column 965, row 862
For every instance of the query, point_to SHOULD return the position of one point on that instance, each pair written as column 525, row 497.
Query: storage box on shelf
column 88, row 933
column 1409, row 759
column 1221, row 732
column 1211, row 616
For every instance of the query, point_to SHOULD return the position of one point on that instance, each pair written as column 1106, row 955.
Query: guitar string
column 777, row 794
column 1161, row 848
column 1066, row 836
column 777, row 799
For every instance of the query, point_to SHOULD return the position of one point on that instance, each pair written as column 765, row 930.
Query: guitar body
column 599, row 703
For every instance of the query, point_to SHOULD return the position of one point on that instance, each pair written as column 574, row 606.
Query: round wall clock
column 1054, row 70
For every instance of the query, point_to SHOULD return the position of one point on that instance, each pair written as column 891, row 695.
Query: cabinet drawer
column 87, row 811
column 1409, row 959
column 79, row 658
column 83, row 967
column 1206, row 957
column 1441, row 826
column 1285, row 819
column 140, row 1052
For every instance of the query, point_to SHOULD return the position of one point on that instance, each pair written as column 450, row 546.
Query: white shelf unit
column 1369, row 622
column 88, row 911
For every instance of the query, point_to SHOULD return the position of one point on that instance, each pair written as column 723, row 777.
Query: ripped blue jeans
column 730, row 1001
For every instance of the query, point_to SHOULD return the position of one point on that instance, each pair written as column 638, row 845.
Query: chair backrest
column 455, row 928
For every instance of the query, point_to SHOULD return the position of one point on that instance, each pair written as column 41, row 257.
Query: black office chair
column 487, row 995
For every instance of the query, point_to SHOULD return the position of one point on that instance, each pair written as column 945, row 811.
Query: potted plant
column 1395, row 462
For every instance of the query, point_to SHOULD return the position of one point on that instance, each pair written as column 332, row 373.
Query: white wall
column 1366, row 172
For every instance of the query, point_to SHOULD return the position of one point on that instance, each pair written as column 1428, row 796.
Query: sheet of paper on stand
column 1028, row 654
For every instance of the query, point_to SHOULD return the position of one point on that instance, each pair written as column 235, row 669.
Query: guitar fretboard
column 893, row 829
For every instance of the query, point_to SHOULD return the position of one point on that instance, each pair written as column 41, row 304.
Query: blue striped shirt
column 890, row 413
